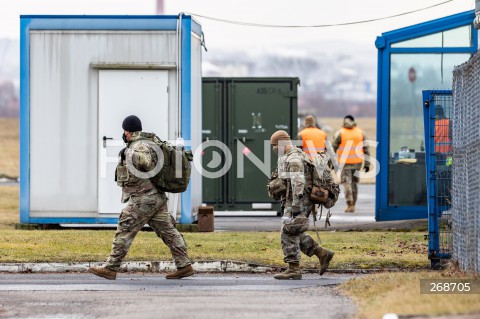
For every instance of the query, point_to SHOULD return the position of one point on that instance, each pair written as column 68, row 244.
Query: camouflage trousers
column 151, row 210
column 294, row 240
column 350, row 182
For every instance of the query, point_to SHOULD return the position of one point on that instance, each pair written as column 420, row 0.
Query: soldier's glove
column 367, row 169
column 122, row 154
column 319, row 195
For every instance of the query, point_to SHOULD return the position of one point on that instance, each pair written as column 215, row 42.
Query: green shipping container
column 243, row 113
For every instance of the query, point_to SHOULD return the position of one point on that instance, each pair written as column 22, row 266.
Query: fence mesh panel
column 439, row 158
column 443, row 170
column 466, row 164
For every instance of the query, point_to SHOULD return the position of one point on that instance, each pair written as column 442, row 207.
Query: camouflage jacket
column 129, row 174
column 298, row 176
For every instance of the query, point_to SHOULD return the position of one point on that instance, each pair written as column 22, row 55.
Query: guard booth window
column 410, row 74
column 410, row 60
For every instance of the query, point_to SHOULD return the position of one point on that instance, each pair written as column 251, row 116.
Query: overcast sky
column 282, row 12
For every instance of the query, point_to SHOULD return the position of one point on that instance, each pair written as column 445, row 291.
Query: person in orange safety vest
column 350, row 146
column 443, row 131
column 313, row 139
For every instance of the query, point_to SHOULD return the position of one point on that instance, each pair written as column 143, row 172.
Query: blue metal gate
column 437, row 114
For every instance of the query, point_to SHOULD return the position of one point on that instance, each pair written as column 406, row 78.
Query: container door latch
column 105, row 141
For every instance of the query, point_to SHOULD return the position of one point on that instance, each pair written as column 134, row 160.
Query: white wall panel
column 64, row 108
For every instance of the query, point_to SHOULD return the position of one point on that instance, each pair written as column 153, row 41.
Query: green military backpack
column 325, row 190
column 176, row 170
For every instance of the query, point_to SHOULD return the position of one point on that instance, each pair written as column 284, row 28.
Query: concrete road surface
column 152, row 296
column 362, row 219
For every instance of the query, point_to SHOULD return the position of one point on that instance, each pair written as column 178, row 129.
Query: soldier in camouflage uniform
column 351, row 147
column 297, row 207
column 146, row 205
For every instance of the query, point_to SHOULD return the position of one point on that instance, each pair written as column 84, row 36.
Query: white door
column 143, row 93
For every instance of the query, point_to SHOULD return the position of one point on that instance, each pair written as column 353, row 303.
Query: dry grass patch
column 9, row 206
column 9, row 147
column 374, row 250
column 94, row 245
column 400, row 293
column 370, row 249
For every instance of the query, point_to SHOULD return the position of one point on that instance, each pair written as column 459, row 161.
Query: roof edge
column 434, row 26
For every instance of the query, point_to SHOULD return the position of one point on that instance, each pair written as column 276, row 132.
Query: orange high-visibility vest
column 315, row 135
column 356, row 136
column 443, row 143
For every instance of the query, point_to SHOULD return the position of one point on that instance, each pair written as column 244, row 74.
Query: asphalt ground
column 363, row 219
column 152, row 296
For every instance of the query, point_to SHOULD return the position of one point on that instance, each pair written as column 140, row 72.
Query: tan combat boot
column 293, row 272
column 350, row 208
column 103, row 272
column 324, row 257
column 181, row 272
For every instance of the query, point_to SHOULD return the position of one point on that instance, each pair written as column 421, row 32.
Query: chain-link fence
column 466, row 164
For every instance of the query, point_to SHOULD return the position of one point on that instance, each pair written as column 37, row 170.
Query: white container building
column 80, row 77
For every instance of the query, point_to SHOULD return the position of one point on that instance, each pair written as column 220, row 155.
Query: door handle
column 209, row 138
column 243, row 139
column 105, row 141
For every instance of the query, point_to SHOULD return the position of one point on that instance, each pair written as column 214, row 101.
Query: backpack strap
column 315, row 225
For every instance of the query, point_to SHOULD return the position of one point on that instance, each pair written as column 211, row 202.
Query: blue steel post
column 186, row 217
column 433, row 244
column 380, row 44
column 24, row 121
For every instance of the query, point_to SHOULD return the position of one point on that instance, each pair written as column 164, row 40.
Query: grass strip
column 399, row 293
column 371, row 250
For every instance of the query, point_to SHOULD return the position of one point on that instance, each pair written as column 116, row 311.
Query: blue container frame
column 97, row 22
column 434, row 210
column 383, row 211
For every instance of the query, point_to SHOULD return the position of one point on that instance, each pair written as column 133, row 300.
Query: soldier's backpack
column 168, row 179
column 325, row 190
